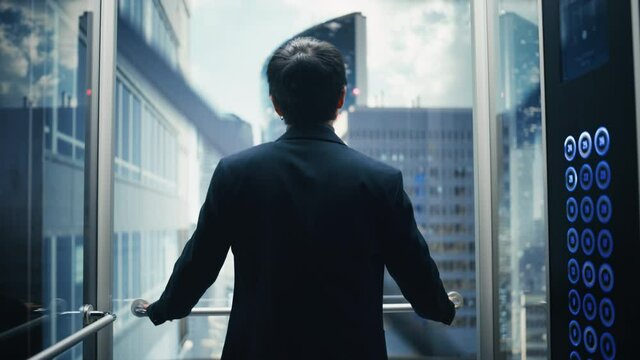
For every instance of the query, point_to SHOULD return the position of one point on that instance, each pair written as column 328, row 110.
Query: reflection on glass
column 167, row 143
column 43, row 116
column 521, row 247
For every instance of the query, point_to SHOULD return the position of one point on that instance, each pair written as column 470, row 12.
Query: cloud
column 421, row 50
column 32, row 50
column 415, row 48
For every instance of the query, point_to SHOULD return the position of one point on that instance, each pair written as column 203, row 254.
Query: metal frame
column 543, row 121
column 105, row 136
column 485, row 184
column 91, row 175
column 635, row 29
column 71, row 340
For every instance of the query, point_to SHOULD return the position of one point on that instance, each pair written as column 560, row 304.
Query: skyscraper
column 348, row 34
column 168, row 142
column 521, row 232
column 165, row 136
column 434, row 150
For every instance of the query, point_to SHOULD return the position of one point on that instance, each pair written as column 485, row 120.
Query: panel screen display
column 583, row 36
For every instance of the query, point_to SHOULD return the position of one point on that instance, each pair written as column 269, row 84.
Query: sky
column 415, row 48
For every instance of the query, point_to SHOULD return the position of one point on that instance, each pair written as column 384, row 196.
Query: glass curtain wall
column 522, row 311
column 167, row 142
column 44, row 112
column 409, row 105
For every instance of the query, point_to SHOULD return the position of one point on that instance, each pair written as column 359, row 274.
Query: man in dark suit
column 312, row 224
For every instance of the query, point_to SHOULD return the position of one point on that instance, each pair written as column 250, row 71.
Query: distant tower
column 349, row 34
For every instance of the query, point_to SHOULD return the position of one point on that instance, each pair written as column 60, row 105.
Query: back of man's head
column 306, row 80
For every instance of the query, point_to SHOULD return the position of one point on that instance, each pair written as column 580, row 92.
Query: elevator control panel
column 589, row 244
column 593, row 211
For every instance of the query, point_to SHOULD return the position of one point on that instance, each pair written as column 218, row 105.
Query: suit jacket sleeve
column 202, row 257
column 409, row 262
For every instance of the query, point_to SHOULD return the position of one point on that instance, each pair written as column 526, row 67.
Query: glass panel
column 521, row 246
column 165, row 154
column 408, row 105
column 44, row 98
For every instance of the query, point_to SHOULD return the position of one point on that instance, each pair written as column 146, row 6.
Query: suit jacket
column 312, row 224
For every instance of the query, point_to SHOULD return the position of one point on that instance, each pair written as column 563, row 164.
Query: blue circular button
column 604, row 209
column 586, row 177
column 589, row 306
column 575, row 333
column 569, row 148
column 590, row 339
column 584, row 144
column 570, row 178
column 607, row 312
column 572, row 209
column 574, row 302
column 605, row 243
column 605, row 277
column 607, row 346
column 573, row 271
column 601, row 141
column 586, row 209
column 588, row 241
column 603, row 175
column 572, row 240
column 588, row 274
column 574, row 356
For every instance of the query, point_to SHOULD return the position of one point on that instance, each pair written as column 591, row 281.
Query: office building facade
column 434, row 150
column 167, row 141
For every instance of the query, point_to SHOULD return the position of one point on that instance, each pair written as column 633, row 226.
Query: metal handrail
column 68, row 342
column 225, row 311
column 138, row 307
column 45, row 314
column 22, row 327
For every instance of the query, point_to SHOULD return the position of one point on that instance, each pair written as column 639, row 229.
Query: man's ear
column 276, row 106
column 343, row 95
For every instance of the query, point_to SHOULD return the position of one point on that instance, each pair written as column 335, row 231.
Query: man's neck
column 328, row 124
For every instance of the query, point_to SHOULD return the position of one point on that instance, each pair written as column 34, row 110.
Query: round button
column 572, row 209
column 605, row 243
column 589, row 306
column 607, row 346
column 607, row 312
column 570, row 178
column 588, row 274
column 574, row 302
column 573, row 271
column 605, row 277
column 590, row 339
column 586, row 177
column 574, row 356
column 601, row 141
column 603, row 175
column 586, row 209
column 575, row 333
column 604, row 209
column 569, row 148
column 588, row 241
column 572, row 240
column 584, row 144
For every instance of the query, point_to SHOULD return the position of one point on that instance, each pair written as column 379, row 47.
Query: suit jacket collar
column 323, row 132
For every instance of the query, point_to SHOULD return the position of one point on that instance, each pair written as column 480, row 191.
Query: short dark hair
column 306, row 78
